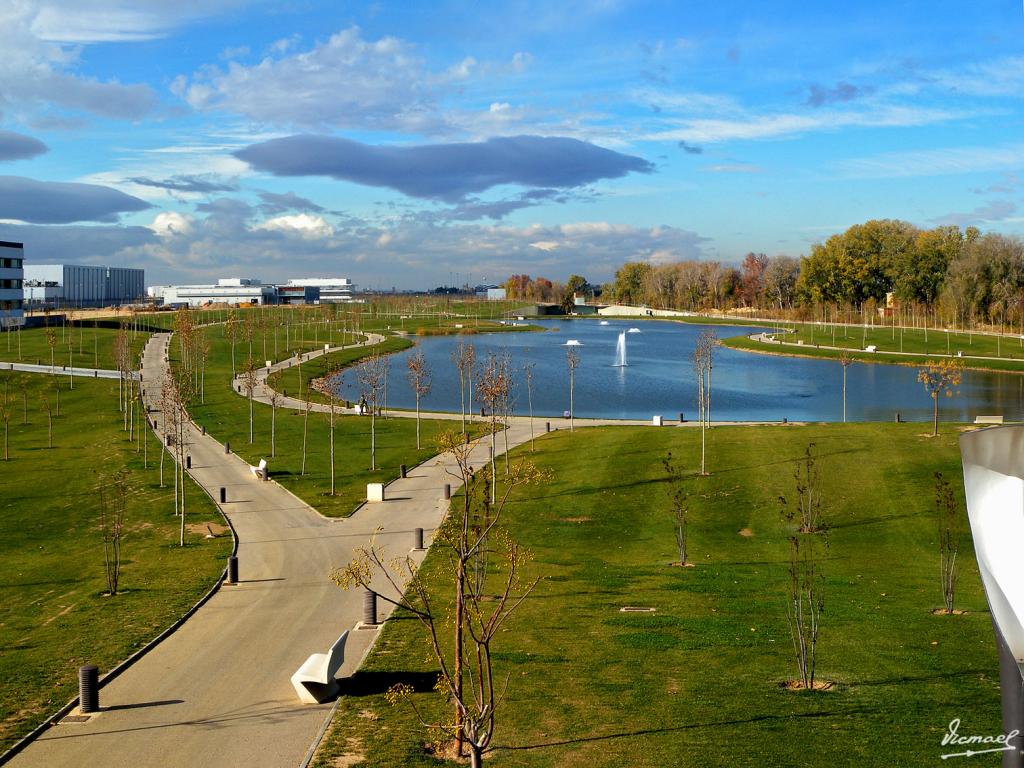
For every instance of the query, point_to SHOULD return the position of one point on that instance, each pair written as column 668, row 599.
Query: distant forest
column 947, row 275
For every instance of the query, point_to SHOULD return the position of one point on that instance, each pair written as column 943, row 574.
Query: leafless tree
column 492, row 389
column 249, row 381
column 845, row 361
column 112, row 491
column 275, row 400
column 370, row 376
column 808, row 544
column 464, row 358
column 307, row 398
column 678, row 498
column 528, row 376
column 485, row 606
column 419, row 379
column 44, row 401
column 950, row 530
column 702, row 362
column 572, row 361
column 6, row 411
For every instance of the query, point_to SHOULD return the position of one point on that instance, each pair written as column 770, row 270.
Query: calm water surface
column 659, row 378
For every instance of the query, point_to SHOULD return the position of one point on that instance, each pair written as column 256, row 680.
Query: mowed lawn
column 53, row 615
column 80, row 345
column 697, row 682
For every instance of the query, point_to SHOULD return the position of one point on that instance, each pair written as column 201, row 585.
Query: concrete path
column 217, row 692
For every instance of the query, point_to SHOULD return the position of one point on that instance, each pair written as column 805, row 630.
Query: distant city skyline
column 400, row 144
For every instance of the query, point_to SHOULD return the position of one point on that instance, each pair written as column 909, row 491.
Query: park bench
column 314, row 681
column 260, row 471
column 870, row 348
column 988, row 419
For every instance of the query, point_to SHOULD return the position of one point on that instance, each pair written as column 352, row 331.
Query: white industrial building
column 12, row 258
column 331, row 288
column 78, row 285
column 230, row 290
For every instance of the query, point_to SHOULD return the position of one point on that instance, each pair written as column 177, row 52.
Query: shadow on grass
column 376, row 683
column 680, row 728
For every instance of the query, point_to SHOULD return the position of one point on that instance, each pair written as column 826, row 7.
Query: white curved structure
column 993, row 460
column 994, row 482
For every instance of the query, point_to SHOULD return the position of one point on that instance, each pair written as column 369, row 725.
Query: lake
column 659, row 378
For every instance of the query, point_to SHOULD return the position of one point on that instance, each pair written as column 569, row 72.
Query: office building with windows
column 12, row 270
column 76, row 285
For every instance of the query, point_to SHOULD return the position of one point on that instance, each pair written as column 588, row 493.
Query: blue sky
column 402, row 144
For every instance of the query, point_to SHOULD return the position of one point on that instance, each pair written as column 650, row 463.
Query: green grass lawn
column 225, row 415
column 81, row 345
column 53, row 616
column 1007, row 348
column 697, row 683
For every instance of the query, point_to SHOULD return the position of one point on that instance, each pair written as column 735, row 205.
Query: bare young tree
column 528, row 377
column 678, row 499
column 702, row 362
column 51, row 342
column 249, row 381
column 6, row 411
column 112, row 490
column 492, row 389
column 330, row 390
column 486, row 605
column 419, row 379
column 275, row 400
column 231, row 333
column 950, row 530
column 572, row 361
column 806, row 511
column 845, row 361
column 808, row 545
column 940, row 377
column 307, row 401
column 370, row 375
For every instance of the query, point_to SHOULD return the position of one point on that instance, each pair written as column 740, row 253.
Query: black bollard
column 223, row 495
column 227, row 447
column 233, row 569
column 89, row 689
column 547, row 426
column 370, row 607
column 447, row 491
column 682, row 417
column 419, row 539
column 403, row 471
column 202, row 430
column 785, row 420
column 897, row 417
column 188, row 462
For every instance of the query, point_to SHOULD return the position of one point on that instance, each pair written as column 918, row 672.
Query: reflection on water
column 659, row 379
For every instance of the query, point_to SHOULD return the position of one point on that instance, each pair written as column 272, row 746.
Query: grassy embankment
column 53, row 615
column 80, row 345
column 697, row 683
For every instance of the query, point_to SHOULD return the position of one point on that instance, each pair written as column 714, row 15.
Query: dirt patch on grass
column 65, row 612
column 745, row 533
column 798, row 685
column 204, row 529
column 580, row 519
column 353, row 756
column 677, row 564
column 944, row 612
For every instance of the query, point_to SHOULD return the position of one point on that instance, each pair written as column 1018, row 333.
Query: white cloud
column 544, row 245
column 105, row 21
column 169, row 223
column 302, row 224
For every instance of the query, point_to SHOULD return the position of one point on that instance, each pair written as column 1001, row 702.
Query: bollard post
column 547, row 426
column 897, row 417
column 447, row 491
column 223, row 495
column 227, row 447
column 403, row 471
column 418, row 539
column 682, row 417
column 233, row 569
column 785, row 420
column 95, row 374
column 202, row 430
column 168, row 439
column 188, row 462
column 369, row 608
column 88, row 689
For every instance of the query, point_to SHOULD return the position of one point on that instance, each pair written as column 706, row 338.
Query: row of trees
column 945, row 274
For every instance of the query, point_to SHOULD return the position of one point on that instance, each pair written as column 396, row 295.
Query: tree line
column 959, row 277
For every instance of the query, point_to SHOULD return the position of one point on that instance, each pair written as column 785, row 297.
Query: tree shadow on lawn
column 689, row 727
column 376, row 683
column 779, row 462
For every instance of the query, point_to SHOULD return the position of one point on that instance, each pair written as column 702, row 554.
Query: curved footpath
column 217, row 692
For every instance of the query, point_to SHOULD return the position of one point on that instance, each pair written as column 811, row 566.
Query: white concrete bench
column 988, row 419
column 375, row 491
column 870, row 348
column 260, row 470
column 656, row 421
column 314, row 681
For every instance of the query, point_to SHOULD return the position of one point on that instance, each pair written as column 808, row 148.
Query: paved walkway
column 217, row 692
column 63, row 370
